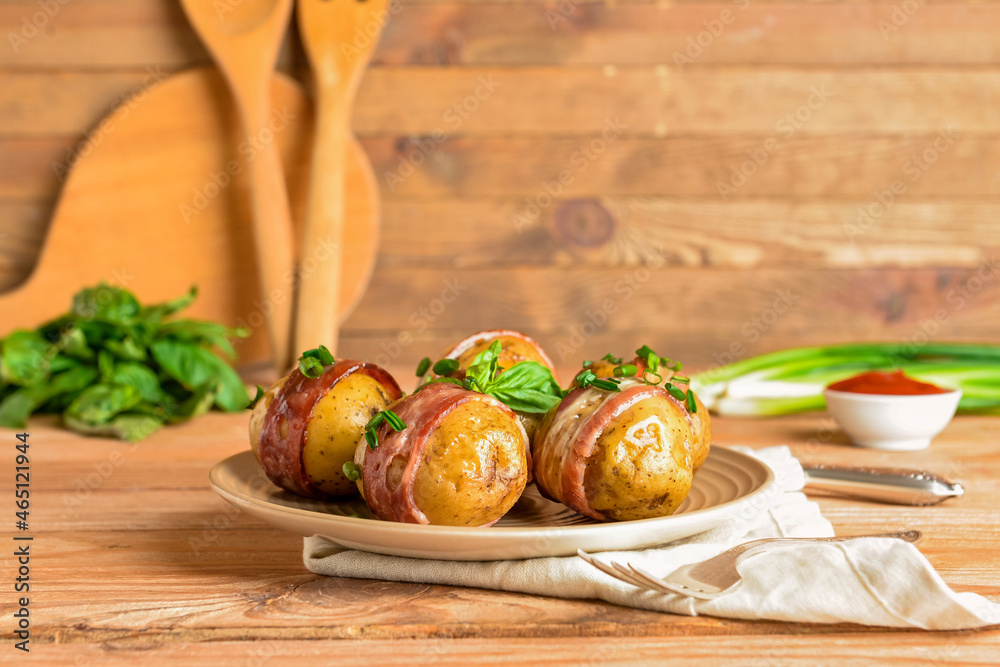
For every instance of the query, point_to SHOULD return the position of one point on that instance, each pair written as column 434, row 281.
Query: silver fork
column 711, row 578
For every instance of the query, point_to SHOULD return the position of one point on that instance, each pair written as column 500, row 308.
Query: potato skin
column 337, row 423
column 616, row 455
column 462, row 460
column 303, row 430
column 641, row 465
column 474, row 467
column 701, row 427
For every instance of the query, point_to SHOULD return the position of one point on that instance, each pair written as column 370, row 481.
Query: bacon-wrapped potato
column 701, row 425
column 304, row 429
column 616, row 455
column 461, row 460
column 515, row 347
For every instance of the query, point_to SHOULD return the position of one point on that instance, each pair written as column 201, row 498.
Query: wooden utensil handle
column 317, row 319
column 272, row 227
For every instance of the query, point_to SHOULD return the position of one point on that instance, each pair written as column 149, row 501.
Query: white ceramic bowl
column 901, row 423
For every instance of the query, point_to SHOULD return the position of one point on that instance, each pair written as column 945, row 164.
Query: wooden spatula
column 244, row 39
column 330, row 30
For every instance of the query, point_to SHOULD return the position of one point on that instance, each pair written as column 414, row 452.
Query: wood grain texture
column 192, row 574
column 107, row 34
column 626, row 100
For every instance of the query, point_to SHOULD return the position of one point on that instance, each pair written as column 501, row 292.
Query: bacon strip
column 291, row 410
column 422, row 413
column 561, row 458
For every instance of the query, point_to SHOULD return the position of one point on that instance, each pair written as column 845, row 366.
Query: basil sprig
column 527, row 386
column 112, row 366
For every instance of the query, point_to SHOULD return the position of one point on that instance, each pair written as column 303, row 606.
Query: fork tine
column 610, row 571
column 629, row 576
column 656, row 583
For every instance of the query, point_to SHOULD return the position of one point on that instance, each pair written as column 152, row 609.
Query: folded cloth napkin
column 872, row 581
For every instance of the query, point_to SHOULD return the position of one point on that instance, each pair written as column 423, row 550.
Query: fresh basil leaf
column 139, row 376
column 195, row 367
column 106, row 365
column 106, row 303
column 197, row 404
column 484, row 367
column 127, row 427
column 127, row 349
column 100, row 402
column 158, row 311
column 24, row 358
column 211, row 334
column 74, row 344
column 526, row 400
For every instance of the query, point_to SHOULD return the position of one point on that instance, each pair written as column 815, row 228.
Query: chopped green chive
column 312, row 361
column 612, row 358
column 588, row 364
column 691, row 405
column 675, row 392
column 647, row 380
column 681, row 378
column 372, row 440
column 260, row 395
column 311, row 367
column 422, row 367
column 446, row 367
column 607, row 385
column 351, row 471
column 395, row 422
column 628, row 370
column 375, row 421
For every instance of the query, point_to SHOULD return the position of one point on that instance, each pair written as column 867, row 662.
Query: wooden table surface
column 135, row 558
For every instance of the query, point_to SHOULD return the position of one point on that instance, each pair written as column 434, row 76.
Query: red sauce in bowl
column 895, row 383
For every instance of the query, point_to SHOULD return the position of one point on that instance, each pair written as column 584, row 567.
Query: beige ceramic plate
column 729, row 485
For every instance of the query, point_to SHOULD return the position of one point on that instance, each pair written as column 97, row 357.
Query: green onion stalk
column 791, row 381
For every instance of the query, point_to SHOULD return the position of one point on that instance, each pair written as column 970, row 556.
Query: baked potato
column 701, row 425
column 616, row 455
column 515, row 347
column 461, row 460
column 303, row 429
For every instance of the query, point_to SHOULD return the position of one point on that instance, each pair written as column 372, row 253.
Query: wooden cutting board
column 157, row 202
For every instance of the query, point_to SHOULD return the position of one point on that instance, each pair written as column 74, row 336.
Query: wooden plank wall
column 716, row 159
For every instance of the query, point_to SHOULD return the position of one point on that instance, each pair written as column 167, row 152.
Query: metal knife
column 889, row 485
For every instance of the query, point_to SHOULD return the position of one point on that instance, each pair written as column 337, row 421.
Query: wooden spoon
column 244, row 38
column 339, row 37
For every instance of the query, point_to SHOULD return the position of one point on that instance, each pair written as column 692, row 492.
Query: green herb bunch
column 114, row 367
column 527, row 386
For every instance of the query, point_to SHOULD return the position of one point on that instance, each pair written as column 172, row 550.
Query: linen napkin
column 871, row 581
